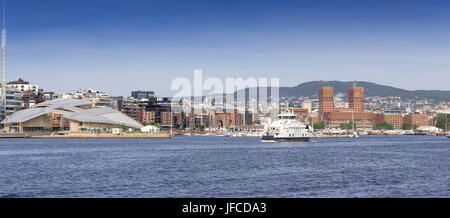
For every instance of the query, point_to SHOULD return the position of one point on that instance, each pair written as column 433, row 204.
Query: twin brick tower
column 335, row 116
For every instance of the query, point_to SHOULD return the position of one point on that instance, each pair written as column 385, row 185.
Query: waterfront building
column 225, row 120
column 177, row 120
column 395, row 119
column 149, row 117
column 131, row 108
column 158, row 106
column 193, row 120
column 416, row 119
column 98, row 118
column 148, row 110
column 68, row 115
column 326, row 103
column 14, row 101
column 202, row 119
column 334, row 116
column 363, row 120
column 171, row 119
column 189, row 119
column 356, row 99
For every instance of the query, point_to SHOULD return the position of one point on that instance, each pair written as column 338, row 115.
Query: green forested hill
column 370, row 89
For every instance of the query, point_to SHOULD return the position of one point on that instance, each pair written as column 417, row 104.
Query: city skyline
column 151, row 43
column 244, row 101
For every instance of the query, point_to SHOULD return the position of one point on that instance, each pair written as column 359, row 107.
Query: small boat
column 355, row 135
column 409, row 132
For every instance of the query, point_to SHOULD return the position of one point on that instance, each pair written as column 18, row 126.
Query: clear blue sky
column 120, row 46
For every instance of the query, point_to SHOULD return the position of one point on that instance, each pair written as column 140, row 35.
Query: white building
column 150, row 129
column 22, row 86
column 14, row 101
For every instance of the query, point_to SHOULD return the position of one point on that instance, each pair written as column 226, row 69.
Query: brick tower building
column 326, row 102
column 356, row 99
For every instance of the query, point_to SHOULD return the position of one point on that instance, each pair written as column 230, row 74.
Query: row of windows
column 355, row 120
column 22, row 86
column 12, row 103
column 293, row 135
column 11, row 92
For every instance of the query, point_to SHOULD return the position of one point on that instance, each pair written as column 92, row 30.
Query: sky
column 120, row 46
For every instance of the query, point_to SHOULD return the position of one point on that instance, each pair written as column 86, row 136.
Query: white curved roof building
column 66, row 114
column 103, row 115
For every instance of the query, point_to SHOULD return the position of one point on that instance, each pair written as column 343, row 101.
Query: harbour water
column 369, row 166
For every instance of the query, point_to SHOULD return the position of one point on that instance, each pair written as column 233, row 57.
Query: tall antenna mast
column 4, row 14
column 4, row 61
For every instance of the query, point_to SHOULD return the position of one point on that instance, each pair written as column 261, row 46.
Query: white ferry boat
column 287, row 128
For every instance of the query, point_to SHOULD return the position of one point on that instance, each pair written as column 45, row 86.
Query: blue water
column 369, row 166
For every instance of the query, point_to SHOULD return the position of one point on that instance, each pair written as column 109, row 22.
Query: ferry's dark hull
column 290, row 139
